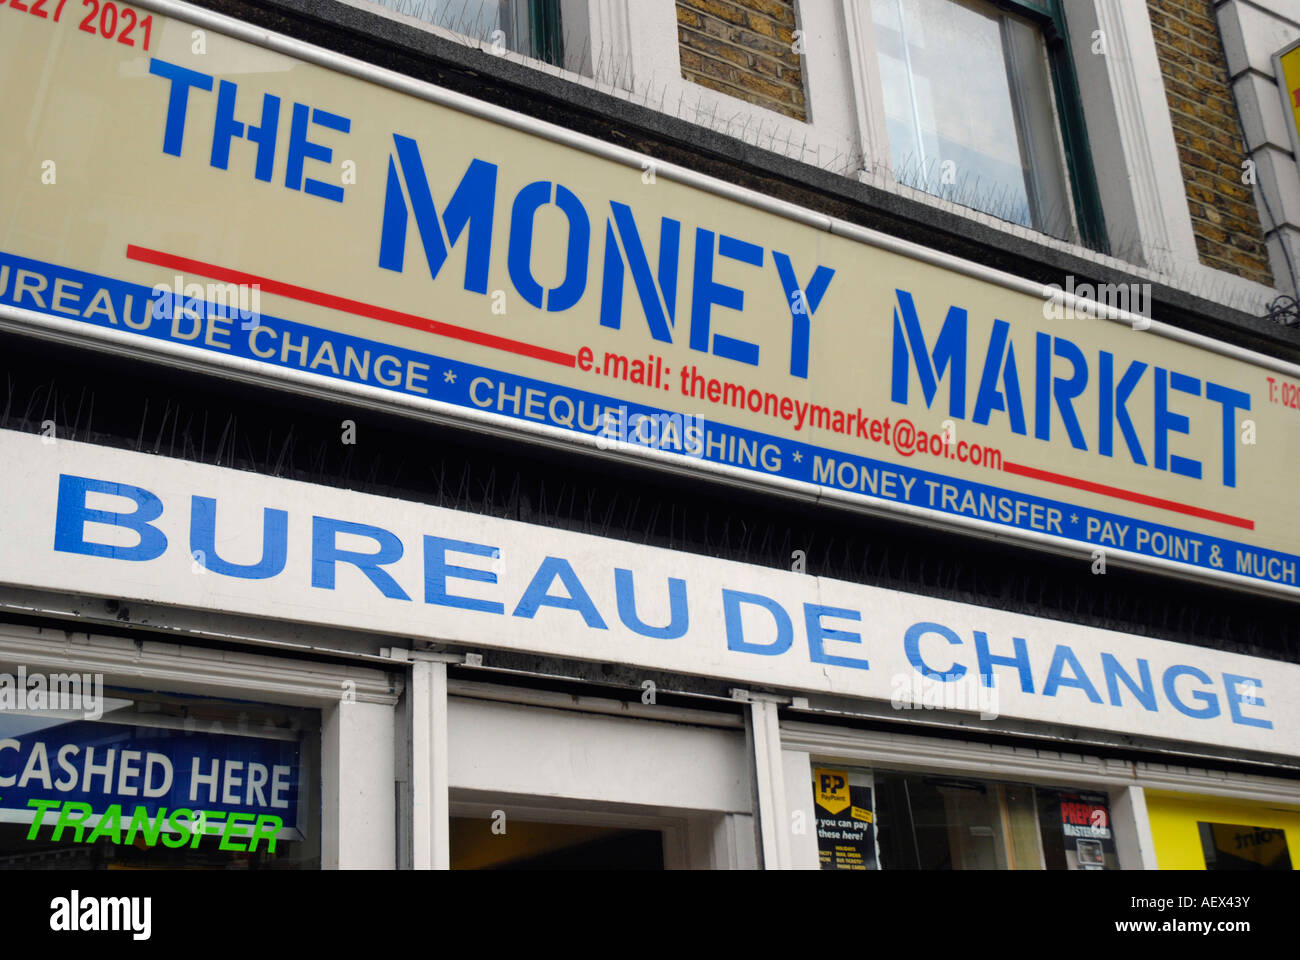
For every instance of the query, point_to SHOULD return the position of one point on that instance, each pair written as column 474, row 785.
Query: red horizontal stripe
column 1122, row 494
column 306, row 295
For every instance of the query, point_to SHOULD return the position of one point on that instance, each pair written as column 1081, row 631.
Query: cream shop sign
column 409, row 244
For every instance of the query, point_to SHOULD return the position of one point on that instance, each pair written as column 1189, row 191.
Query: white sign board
column 87, row 519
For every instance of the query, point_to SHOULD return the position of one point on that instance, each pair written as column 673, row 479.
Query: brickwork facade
column 1224, row 216
column 744, row 48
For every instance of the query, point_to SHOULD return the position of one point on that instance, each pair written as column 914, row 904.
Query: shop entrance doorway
column 531, row 786
column 486, row 843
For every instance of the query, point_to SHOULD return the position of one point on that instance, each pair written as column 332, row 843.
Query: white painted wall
column 358, row 812
column 1252, row 32
column 526, row 750
column 538, row 764
column 804, row 852
column 1134, row 844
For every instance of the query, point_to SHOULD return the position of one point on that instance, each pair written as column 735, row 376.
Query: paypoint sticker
column 862, row 816
column 832, row 789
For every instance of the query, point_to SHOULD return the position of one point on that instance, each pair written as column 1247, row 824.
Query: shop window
column 873, row 819
column 1232, row 846
column 981, row 108
column 1220, row 833
column 552, row 31
column 154, row 781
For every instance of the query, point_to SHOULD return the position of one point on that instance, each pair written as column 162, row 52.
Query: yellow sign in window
column 1287, row 66
column 1215, row 833
column 832, row 788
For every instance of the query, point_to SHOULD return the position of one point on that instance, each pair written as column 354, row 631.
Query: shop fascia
column 933, row 649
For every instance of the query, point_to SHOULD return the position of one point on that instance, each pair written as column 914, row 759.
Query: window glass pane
column 533, row 28
column 1079, row 825
column 845, row 810
column 474, row 18
column 876, row 819
column 1020, row 825
column 972, row 823
column 1233, row 846
column 969, row 109
column 158, row 781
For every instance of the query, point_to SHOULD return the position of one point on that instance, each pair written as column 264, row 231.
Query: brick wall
column 743, row 48
column 1204, row 114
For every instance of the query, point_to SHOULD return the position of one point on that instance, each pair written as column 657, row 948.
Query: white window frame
column 867, row 94
column 358, row 817
column 826, row 138
column 609, row 34
column 1131, row 136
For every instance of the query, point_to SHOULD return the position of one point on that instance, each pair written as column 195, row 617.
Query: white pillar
column 358, row 820
column 804, row 852
column 769, row 771
column 430, row 805
column 1133, row 842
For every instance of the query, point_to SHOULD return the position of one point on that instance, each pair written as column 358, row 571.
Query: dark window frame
column 1049, row 16
column 546, row 32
